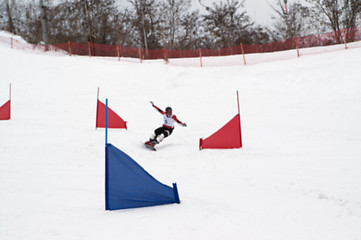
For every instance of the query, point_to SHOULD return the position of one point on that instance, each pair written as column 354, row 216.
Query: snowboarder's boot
column 151, row 144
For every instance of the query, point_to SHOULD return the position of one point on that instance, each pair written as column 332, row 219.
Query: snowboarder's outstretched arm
column 159, row 110
column 179, row 122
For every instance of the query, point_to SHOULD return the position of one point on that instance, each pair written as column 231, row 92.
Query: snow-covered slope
column 297, row 177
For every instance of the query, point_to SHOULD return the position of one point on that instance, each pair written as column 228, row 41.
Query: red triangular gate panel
column 114, row 121
column 229, row 136
column 5, row 111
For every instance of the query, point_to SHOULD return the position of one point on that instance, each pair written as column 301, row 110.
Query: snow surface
column 8, row 35
column 298, row 176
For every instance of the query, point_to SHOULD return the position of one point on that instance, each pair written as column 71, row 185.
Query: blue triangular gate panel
column 128, row 185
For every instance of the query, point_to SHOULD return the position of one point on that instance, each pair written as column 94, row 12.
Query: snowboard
column 147, row 145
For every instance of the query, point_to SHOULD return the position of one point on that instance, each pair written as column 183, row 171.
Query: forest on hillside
column 171, row 24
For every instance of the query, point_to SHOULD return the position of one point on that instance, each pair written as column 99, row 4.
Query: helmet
column 168, row 109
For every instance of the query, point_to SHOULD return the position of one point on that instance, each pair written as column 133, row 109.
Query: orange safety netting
column 325, row 39
column 94, row 49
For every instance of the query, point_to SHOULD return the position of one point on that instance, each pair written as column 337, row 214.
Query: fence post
column 200, row 57
column 89, row 49
column 165, row 55
column 296, row 43
column 344, row 37
column 140, row 55
column 11, row 40
column 244, row 57
column 69, row 46
column 240, row 127
column 118, row 53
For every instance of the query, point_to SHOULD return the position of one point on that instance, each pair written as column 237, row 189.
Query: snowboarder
column 167, row 128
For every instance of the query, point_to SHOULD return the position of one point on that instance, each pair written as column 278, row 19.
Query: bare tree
column 226, row 24
column 352, row 16
column 338, row 14
column 8, row 13
column 191, row 23
column 10, row 27
column 3, row 16
column 173, row 13
column 293, row 20
column 145, row 17
column 98, row 16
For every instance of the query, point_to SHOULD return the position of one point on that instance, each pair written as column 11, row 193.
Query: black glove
column 152, row 103
column 184, row 124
